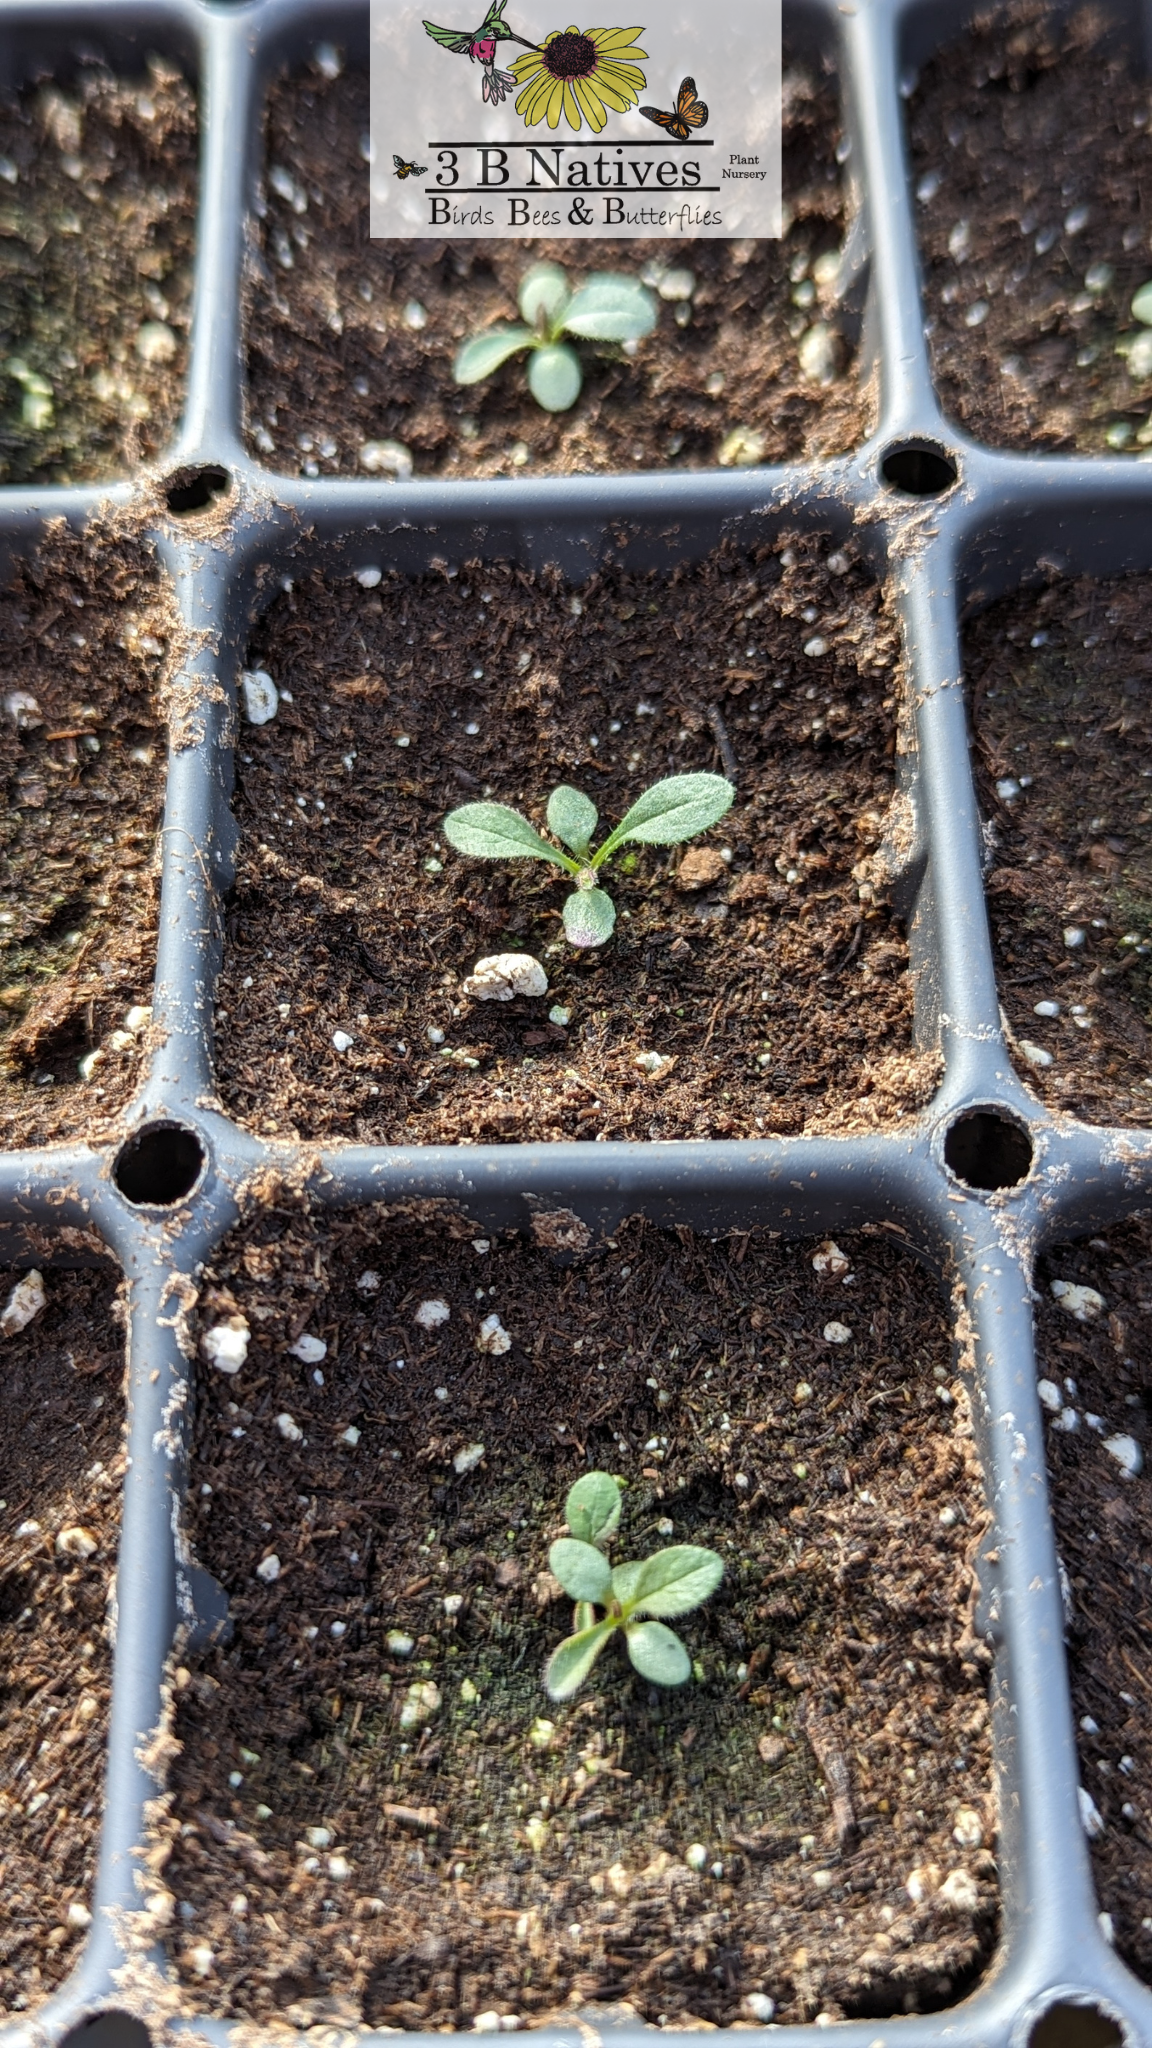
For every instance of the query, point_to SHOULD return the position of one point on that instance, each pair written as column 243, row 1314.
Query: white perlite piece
column 289, row 1429
column 78, row 1916
column 759, row 2006
column 652, row 1063
column 25, row 1301
column 467, row 1459
column 387, row 458
column 1036, row 1055
column 960, row 1891
column 1127, row 1454
column 431, row 1314
column 399, row 1645
column 343, row 1040
column 309, row 1350
column 369, row 1282
column 421, row 1701
column 493, row 1337
column 1050, row 1395
column 816, row 354
column 259, row 696
column 268, row 1569
column 830, row 1259
column 500, row 976
column 225, row 1345
column 1090, row 1815
column 1081, row 1302
column 968, row 1828
column 155, row 342
column 77, row 1542
column 837, row 1333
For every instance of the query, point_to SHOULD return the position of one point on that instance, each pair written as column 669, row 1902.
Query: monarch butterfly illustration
column 404, row 170
column 690, row 112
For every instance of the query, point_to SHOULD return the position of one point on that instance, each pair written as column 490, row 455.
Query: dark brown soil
column 512, row 1854
column 1072, row 851
column 1030, row 160
column 62, row 1462
column 411, row 698
column 1103, row 1368
column 84, row 629
column 334, row 363
column 97, row 219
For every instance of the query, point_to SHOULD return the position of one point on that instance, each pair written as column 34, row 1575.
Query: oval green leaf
column 572, row 817
column 589, row 917
column 624, row 1580
column 572, row 1660
column 608, row 308
column 672, row 810
column 673, row 1581
column 583, row 1571
column 497, row 832
column 543, row 295
column 657, row 1653
column 555, row 377
column 592, row 1509
column 481, row 354
column 1142, row 305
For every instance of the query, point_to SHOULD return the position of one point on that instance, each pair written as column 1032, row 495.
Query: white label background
column 423, row 96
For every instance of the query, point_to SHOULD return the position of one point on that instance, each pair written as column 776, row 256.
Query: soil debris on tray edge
column 383, row 1515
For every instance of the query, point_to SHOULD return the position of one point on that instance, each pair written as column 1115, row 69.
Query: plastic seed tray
column 979, row 1183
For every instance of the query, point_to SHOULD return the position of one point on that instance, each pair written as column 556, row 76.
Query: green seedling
column 671, row 811
column 606, row 308
column 634, row 1596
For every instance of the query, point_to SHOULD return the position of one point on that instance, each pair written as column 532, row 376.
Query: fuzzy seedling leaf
column 583, row 1571
column 589, row 917
column 657, row 1653
column 1142, row 305
column 673, row 1581
column 672, row 810
column 572, row 817
column 583, row 1616
column 572, row 1660
column 555, row 377
column 592, row 1509
column 544, row 293
column 482, row 354
column 608, row 308
column 497, row 832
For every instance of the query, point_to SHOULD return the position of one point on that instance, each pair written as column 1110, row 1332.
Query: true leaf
column 608, row 308
column 673, row 1581
column 657, row 1653
column 572, row 1660
column 624, row 1582
column 589, row 917
column 544, row 290
column 555, row 377
column 582, row 1570
column 496, row 832
column 672, row 810
column 572, row 817
column 483, row 353
column 1142, row 305
column 592, row 1509
column 583, row 1616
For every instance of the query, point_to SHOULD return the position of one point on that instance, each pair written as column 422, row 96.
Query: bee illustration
column 690, row 113
column 404, row 170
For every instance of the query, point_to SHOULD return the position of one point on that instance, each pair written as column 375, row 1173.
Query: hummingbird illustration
column 479, row 46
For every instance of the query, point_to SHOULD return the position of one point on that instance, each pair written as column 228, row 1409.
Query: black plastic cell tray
column 968, row 543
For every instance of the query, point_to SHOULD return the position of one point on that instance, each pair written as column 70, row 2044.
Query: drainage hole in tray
column 988, row 1150
column 919, row 470
column 109, row 2030
column 194, row 490
column 1075, row 2026
column 160, row 1165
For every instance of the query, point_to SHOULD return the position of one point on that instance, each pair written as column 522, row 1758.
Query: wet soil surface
column 1031, row 171
column 62, row 1462
column 1061, row 694
column 97, row 219
column 352, row 914
column 82, row 754
column 809, row 1820
column 1103, row 1372
column 352, row 341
